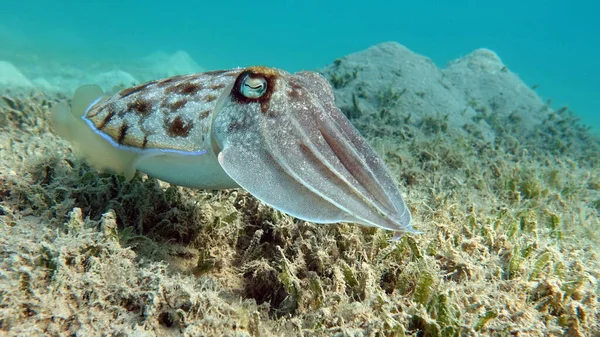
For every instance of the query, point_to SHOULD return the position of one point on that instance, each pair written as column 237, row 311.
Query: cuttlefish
column 277, row 135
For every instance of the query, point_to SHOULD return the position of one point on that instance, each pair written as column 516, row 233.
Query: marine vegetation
column 509, row 245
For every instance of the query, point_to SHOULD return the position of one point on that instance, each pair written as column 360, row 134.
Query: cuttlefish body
column 277, row 135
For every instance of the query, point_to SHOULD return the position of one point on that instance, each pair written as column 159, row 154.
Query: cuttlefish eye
column 253, row 87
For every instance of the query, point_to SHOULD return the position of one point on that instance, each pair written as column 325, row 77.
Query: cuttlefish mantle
column 277, row 135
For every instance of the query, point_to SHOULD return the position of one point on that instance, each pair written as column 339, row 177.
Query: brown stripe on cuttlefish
column 126, row 92
column 168, row 81
column 140, row 106
column 295, row 92
column 204, row 114
column 169, row 108
column 217, row 86
column 209, row 98
column 185, row 88
column 215, row 72
column 110, row 114
column 100, row 107
column 178, row 127
column 231, row 74
column 122, row 133
column 132, row 141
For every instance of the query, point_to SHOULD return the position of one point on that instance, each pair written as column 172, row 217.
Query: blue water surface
column 554, row 44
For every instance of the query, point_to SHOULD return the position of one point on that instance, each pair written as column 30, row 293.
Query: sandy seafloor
column 505, row 190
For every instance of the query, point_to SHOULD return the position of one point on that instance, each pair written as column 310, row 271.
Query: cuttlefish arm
column 281, row 137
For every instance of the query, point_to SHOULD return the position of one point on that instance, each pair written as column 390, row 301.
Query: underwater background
column 552, row 45
column 468, row 103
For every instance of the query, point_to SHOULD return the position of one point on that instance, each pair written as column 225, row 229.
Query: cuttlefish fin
column 69, row 123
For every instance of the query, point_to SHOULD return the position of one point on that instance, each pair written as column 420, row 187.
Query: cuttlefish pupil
column 253, row 87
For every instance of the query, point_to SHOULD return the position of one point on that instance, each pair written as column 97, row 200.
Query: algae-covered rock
column 477, row 93
column 491, row 88
column 389, row 80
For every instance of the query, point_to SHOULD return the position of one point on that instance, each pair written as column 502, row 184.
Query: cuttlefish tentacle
column 339, row 169
column 359, row 159
column 277, row 135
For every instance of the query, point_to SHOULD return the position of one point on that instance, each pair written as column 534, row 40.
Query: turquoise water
column 548, row 43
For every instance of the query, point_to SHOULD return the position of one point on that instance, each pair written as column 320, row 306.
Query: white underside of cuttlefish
column 277, row 135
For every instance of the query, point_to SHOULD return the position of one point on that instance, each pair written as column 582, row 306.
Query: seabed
column 510, row 243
